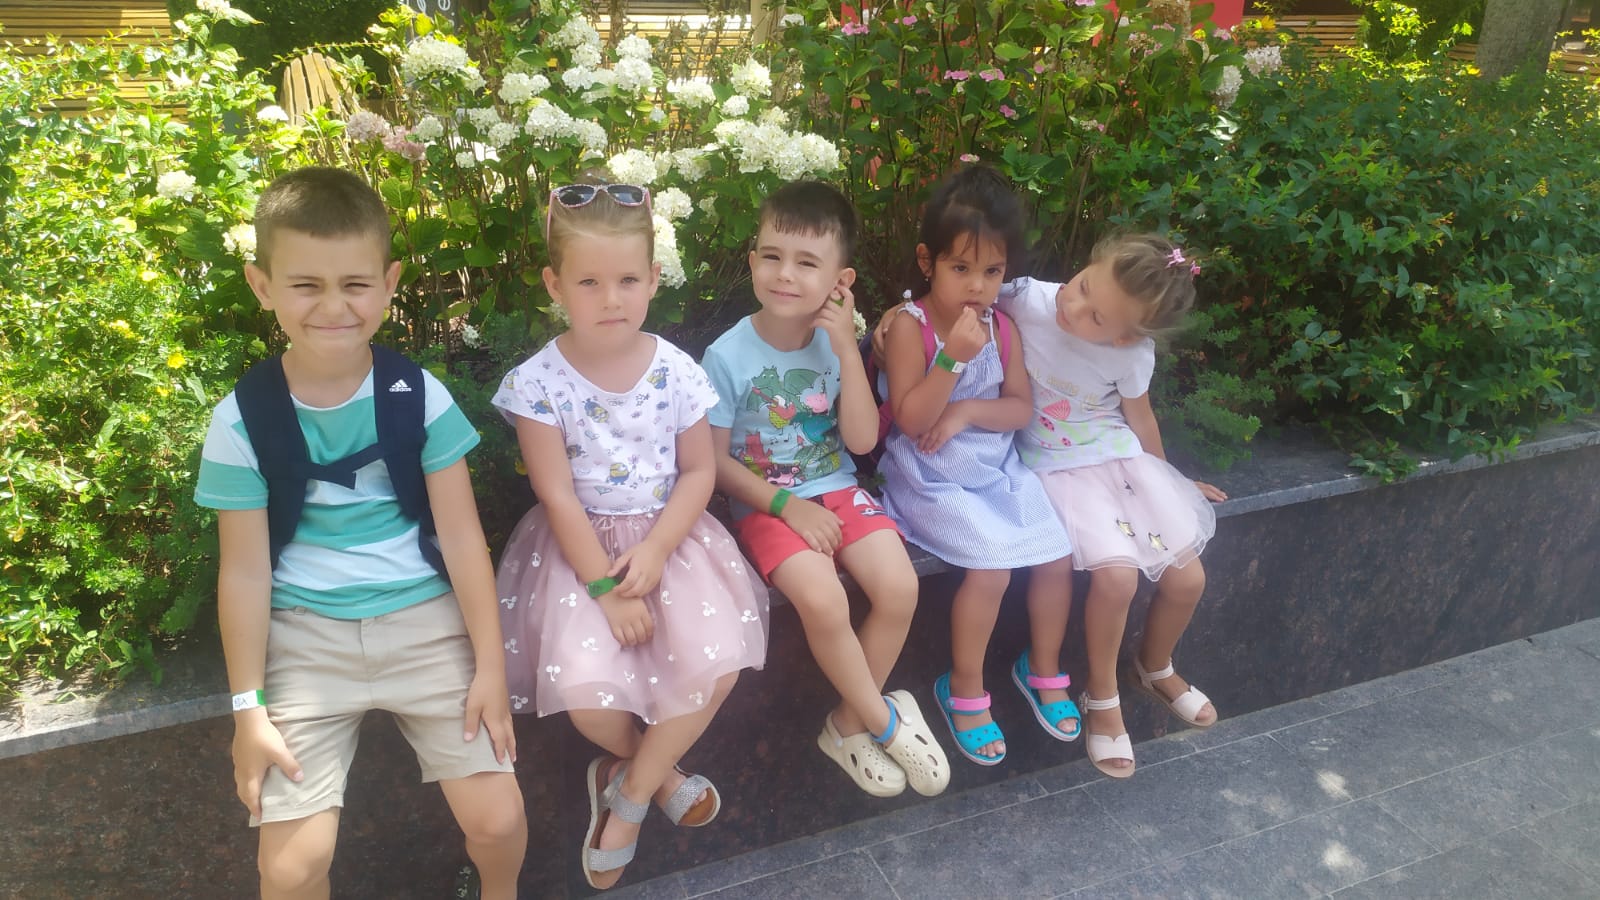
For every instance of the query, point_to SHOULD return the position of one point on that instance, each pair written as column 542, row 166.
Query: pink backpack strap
column 930, row 342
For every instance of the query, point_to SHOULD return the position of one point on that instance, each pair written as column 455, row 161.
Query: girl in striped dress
column 952, row 479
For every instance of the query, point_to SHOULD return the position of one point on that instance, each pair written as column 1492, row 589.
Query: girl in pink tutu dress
column 1094, row 441
column 622, row 600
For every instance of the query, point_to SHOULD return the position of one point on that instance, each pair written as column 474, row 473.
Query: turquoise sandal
column 1048, row 714
column 970, row 740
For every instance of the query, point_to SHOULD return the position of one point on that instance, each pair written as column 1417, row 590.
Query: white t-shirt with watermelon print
column 1078, row 386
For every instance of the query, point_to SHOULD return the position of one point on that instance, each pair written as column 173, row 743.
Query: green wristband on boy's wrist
column 779, row 501
column 601, row 587
column 249, row 700
column 948, row 363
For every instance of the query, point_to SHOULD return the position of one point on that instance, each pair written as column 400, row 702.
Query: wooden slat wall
column 1335, row 31
column 27, row 23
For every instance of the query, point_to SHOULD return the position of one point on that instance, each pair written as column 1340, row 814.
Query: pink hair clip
column 1175, row 258
column 1194, row 269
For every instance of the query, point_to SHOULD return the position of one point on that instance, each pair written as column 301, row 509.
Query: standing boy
column 794, row 397
column 337, row 540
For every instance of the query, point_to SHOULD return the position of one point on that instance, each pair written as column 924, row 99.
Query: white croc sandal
column 863, row 760
column 1186, row 706
column 1102, row 748
column 912, row 745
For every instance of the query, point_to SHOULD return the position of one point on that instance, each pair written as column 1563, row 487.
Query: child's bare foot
column 690, row 811
column 1170, row 688
column 974, row 719
column 615, row 833
column 1048, row 696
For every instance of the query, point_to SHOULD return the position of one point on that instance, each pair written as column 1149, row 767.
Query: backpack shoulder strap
column 930, row 341
column 1003, row 336
column 400, row 405
column 267, row 410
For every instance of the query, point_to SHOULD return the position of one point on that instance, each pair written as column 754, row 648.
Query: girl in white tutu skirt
column 1095, row 444
column 622, row 600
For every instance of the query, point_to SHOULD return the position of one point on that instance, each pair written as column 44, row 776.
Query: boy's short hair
column 322, row 202
column 812, row 207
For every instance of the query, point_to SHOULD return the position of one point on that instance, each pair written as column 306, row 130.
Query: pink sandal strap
column 969, row 705
column 1049, row 682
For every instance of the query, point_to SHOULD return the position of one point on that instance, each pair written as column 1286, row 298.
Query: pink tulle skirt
column 710, row 613
column 1140, row 513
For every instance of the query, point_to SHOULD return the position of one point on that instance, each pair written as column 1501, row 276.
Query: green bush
column 289, row 26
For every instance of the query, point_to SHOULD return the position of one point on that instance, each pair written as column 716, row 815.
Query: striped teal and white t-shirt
column 354, row 554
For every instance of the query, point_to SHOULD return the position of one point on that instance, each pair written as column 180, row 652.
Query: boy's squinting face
column 329, row 294
column 794, row 273
column 1092, row 306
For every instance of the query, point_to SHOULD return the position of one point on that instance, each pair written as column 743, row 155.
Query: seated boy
column 794, row 397
column 333, row 595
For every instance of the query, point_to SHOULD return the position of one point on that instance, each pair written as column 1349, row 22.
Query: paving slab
column 1506, row 867
column 1207, row 875
column 845, row 877
column 1324, row 852
column 1473, row 801
column 1572, row 834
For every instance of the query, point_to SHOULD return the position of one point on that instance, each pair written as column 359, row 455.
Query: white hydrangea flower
column 241, row 239
column 472, row 80
column 518, row 87
column 466, row 159
column 578, row 78
column 471, row 337
column 736, row 105
column 708, row 206
column 790, row 20
column 774, row 116
column 366, row 126
column 224, row 10
column 633, row 167
column 586, row 56
column 1228, row 90
column 657, row 115
column 483, row 118
column 730, row 132
column 547, row 121
column 859, row 321
column 576, row 33
column 633, row 76
column 634, row 47
column 179, row 185
column 672, row 274
column 673, row 204
column 429, row 129
column 692, row 93
column 751, row 79
column 691, row 163
column 429, row 56
column 591, row 136
column 501, row 134
column 1263, row 60
column 273, row 113
column 821, row 154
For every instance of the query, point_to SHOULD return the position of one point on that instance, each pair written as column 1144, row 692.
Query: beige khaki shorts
column 324, row 674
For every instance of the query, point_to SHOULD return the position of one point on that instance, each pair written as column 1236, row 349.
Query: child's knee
column 823, row 606
column 896, row 596
column 990, row 581
column 1113, row 585
column 724, row 686
column 1184, row 584
column 292, row 859
column 496, row 816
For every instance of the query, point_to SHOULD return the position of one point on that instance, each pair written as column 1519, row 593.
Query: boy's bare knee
column 290, row 868
column 489, row 809
column 823, row 606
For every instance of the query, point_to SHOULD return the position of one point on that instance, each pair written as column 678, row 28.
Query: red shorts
column 769, row 540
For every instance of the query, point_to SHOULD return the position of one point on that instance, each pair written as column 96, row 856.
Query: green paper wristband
column 779, row 501
column 947, row 362
column 601, row 587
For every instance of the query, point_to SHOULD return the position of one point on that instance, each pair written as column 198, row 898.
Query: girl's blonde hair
column 1156, row 273
column 601, row 217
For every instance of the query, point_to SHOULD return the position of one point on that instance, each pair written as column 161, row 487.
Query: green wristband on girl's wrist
column 601, row 587
column 779, row 501
column 948, row 363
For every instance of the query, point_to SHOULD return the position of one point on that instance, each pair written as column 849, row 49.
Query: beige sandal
column 863, row 760
column 1185, row 706
column 912, row 746
column 1102, row 748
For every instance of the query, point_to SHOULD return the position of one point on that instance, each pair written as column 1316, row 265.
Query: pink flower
column 1007, row 111
column 853, row 28
column 958, row 74
column 1085, row 2
column 991, row 75
column 1038, row 68
column 909, row 20
column 969, row 157
column 400, row 142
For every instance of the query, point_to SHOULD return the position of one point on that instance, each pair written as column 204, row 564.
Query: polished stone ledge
column 1287, row 469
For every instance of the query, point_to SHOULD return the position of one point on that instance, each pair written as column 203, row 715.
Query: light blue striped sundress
column 972, row 502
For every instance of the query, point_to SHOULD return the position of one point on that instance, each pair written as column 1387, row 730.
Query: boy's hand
column 1211, row 492
column 951, row 422
column 257, row 747
column 642, row 563
column 837, row 318
column 880, row 336
column 629, row 618
column 815, row 523
column 966, row 338
column 487, row 702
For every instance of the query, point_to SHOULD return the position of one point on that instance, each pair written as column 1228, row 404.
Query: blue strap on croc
column 889, row 729
column 1048, row 714
column 970, row 740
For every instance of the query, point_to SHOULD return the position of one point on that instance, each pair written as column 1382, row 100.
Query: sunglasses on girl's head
column 574, row 196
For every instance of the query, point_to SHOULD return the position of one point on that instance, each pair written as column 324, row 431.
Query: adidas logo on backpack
column 400, row 387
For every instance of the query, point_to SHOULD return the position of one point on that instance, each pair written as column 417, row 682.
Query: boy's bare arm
column 815, row 523
column 244, row 610
column 858, row 414
column 466, row 557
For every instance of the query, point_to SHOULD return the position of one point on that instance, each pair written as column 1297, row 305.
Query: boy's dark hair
column 976, row 202
column 322, row 202
column 812, row 207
